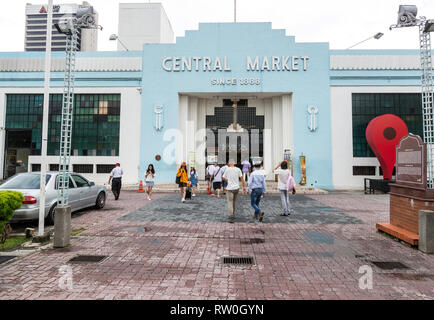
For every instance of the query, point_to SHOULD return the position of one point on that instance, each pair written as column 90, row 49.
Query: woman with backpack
column 149, row 180
column 193, row 181
column 182, row 179
column 285, row 185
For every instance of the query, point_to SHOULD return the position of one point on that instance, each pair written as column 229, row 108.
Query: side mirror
column 91, row 184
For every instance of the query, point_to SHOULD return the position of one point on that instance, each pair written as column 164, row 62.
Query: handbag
column 213, row 176
column 178, row 178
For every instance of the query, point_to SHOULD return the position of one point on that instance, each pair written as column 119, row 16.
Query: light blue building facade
column 301, row 98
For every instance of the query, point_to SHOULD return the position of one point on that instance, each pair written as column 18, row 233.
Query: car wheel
column 100, row 201
column 50, row 216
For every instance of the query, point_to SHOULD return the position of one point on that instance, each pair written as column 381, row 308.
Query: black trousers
column 116, row 187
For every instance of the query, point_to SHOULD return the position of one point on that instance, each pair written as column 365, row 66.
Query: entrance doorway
column 234, row 114
column 18, row 149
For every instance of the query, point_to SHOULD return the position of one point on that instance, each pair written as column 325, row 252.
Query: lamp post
column 114, row 37
column 85, row 19
column 375, row 36
column 407, row 17
column 45, row 119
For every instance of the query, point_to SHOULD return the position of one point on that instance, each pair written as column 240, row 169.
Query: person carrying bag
column 182, row 179
column 290, row 187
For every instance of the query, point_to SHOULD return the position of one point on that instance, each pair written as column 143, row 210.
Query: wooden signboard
column 411, row 159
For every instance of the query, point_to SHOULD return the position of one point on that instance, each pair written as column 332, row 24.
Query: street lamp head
column 407, row 14
column 83, row 10
column 86, row 15
column 65, row 26
column 378, row 35
column 429, row 26
column 113, row 37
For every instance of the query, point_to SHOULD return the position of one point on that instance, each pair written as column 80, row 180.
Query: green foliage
column 9, row 202
column 12, row 243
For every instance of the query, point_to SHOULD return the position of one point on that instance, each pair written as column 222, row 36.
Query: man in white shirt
column 116, row 175
column 233, row 175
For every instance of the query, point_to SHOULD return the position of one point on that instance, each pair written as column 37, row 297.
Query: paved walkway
column 163, row 249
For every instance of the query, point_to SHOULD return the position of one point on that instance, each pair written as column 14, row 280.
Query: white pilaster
column 201, row 138
column 287, row 123
column 181, row 153
column 191, row 126
column 277, row 130
column 268, row 136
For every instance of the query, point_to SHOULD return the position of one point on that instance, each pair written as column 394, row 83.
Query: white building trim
column 375, row 62
column 82, row 64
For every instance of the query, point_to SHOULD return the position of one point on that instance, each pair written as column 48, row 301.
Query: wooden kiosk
column 409, row 194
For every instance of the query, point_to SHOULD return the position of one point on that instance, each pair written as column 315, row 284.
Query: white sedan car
column 82, row 194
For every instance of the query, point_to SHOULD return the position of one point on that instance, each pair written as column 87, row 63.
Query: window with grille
column 363, row 171
column 83, row 168
column 104, row 168
column 96, row 122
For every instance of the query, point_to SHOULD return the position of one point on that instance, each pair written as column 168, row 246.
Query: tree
column 9, row 202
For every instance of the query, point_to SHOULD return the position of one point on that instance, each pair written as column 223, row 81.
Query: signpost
column 409, row 194
column 411, row 161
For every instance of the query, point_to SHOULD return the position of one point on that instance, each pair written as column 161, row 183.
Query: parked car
column 82, row 194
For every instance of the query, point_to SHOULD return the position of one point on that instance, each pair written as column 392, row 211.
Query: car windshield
column 24, row 181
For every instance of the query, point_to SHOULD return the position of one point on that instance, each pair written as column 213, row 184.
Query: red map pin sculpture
column 383, row 135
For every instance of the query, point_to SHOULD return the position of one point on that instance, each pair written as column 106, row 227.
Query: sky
column 342, row 23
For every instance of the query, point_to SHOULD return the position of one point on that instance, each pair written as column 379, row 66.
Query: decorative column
column 268, row 137
column 181, row 154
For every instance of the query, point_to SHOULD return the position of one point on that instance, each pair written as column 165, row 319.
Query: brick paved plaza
column 163, row 249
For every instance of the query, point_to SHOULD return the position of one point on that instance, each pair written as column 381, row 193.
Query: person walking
column 283, row 175
column 232, row 176
column 208, row 173
column 290, row 186
column 116, row 179
column 193, row 181
column 149, row 180
column 257, row 187
column 216, row 179
column 182, row 179
column 246, row 169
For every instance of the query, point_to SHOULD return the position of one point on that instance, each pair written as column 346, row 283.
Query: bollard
column 62, row 227
column 426, row 231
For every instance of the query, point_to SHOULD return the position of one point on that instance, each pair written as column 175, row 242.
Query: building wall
column 88, row 39
column 129, row 132
column 236, row 41
column 141, row 23
column 342, row 134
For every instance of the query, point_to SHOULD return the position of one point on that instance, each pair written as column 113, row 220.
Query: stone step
column 202, row 188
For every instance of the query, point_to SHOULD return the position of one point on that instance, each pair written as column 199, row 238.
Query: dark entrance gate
column 224, row 116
